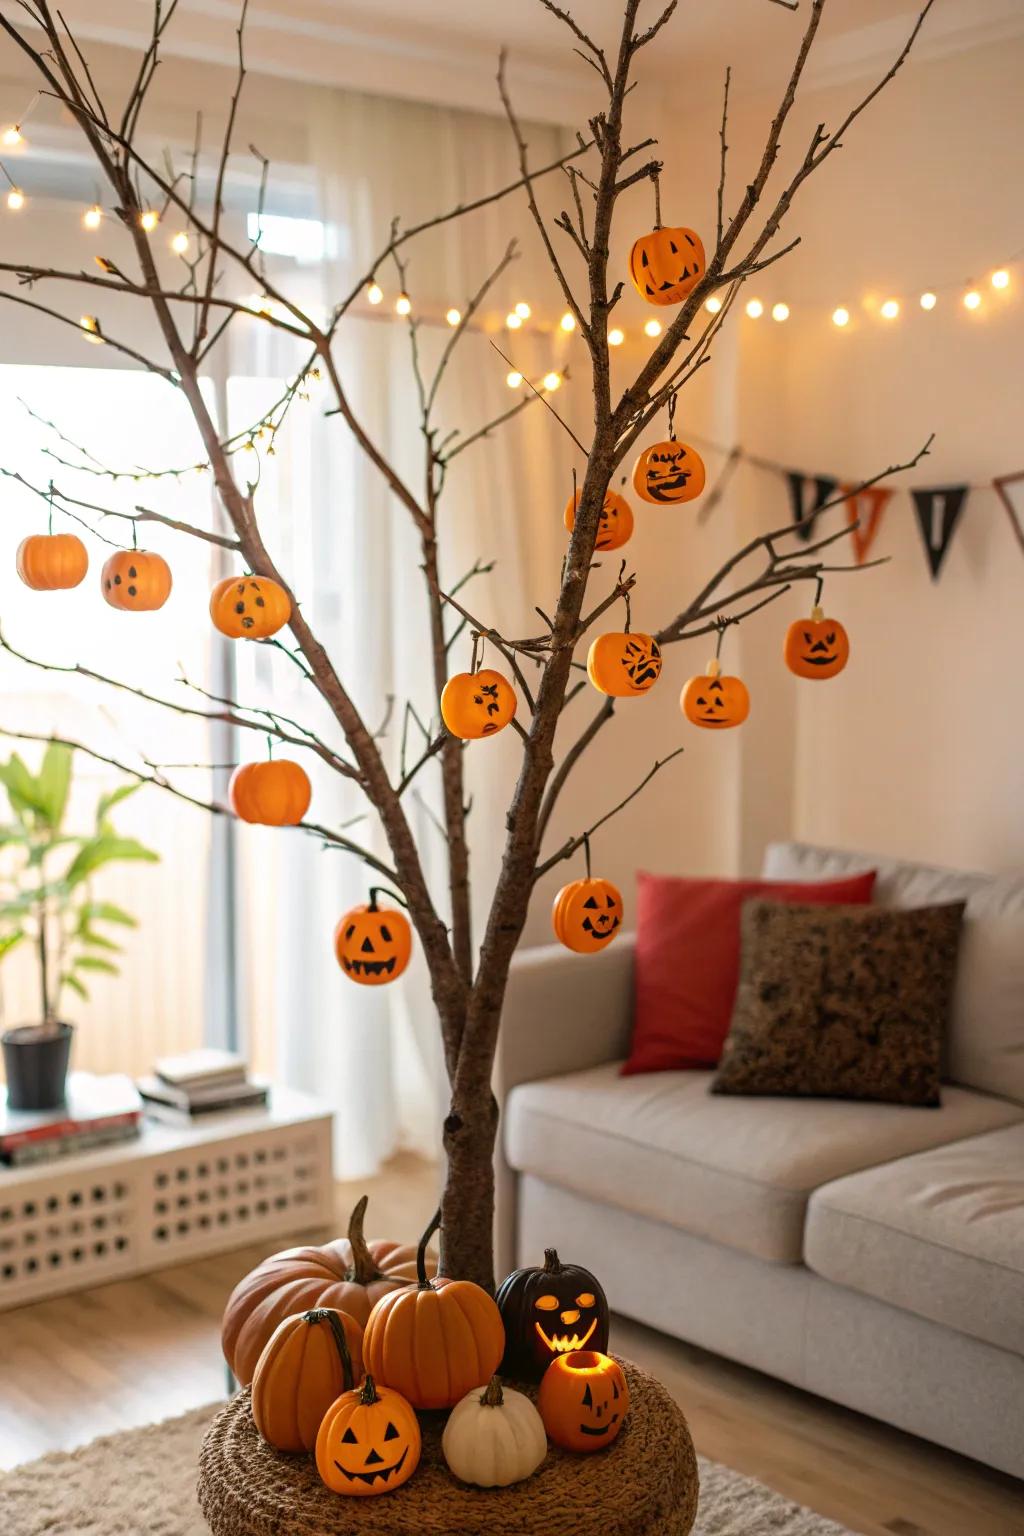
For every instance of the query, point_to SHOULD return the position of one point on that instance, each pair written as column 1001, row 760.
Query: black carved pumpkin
column 548, row 1313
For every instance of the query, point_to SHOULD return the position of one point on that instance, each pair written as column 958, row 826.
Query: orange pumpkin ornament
column 583, row 1400
column 136, row 580
column 624, row 664
column 437, row 1341
column 615, row 525
column 666, row 264
column 249, row 607
column 51, row 562
column 669, row 473
column 587, row 914
column 818, row 647
column 272, row 794
column 369, row 1442
column 477, row 704
column 373, row 944
column 310, row 1360
column 715, row 701
column 348, row 1276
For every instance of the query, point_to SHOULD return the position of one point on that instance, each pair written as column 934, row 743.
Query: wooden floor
column 140, row 1350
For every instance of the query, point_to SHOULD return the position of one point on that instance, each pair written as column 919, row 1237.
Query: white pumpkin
column 494, row 1437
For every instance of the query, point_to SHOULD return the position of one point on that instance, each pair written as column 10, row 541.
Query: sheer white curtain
column 353, row 554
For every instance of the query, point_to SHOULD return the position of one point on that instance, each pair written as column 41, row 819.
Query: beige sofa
column 868, row 1252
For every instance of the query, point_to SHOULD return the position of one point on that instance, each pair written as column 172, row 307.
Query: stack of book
column 97, row 1111
column 205, row 1082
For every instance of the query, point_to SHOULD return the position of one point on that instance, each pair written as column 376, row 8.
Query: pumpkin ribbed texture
column 309, row 1361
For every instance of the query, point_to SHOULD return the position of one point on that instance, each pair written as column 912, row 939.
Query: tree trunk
column 467, row 1204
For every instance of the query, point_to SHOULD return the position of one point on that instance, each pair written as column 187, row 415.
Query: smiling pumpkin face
column 715, row 701
column 669, row 473
column 615, row 526
column 583, row 1400
column 818, row 647
column 587, row 914
column 369, row 1442
column 666, row 264
column 548, row 1312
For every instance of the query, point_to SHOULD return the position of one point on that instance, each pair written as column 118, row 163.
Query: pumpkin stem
column 330, row 1317
column 552, row 1263
column 493, row 1397
column 364, row 1268
column 421, row 1251
column 368, row 1394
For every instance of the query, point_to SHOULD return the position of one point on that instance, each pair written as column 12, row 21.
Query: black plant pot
column 36, row 1064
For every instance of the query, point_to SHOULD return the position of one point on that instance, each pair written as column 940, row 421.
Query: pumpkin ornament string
column 716, row 701
column 819, row 647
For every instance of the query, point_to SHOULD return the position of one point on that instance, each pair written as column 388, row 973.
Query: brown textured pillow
column 841, row 1002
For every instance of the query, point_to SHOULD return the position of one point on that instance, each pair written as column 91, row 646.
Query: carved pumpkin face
column 272, row 794
column 373, row 944
column 586, row 915
column 715, row 701
column 668, row 473
column 49, row 562
column 249, row 607
column 477, row 704
column 583, row 1400
column 135, row 580
column 624, row 665
column 666, row 264
column 818, row 647
column 369, row 1442
column 550, row 1312
column 615, row 526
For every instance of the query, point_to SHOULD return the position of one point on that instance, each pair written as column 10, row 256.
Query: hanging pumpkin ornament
column 249, row 607
column 271, row 794
column 818, row 647
column 436, row 1341
column 136, row 580
column 494, row 1437
column 477, row 703
column 615, row 525
column 715, row 701
column 369, row 1442
column 310, row 1359
column 624, row 664
column 50, row 562
column 583, row 1400
column 373, row 944
column 587, row 914
column 671, row 472
column 667, row 264
column 548, row 1312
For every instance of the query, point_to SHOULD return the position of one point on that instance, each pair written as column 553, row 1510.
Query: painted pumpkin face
column 818, row 647
column 715, row 701
column 373, row 944
column 624, row 665
column 668, row 473
column 583, row 1400
column 615, row 526
column 49, row 562
column 550, row 1312
column 249, row 607
column 136, row 581
column 666, row 264
column 477, row 704
column 369, row 1442
column 587, row 914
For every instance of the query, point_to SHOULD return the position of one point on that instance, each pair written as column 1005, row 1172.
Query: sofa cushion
column 940, row 1234
column 734, row 1170
column 985, row 1048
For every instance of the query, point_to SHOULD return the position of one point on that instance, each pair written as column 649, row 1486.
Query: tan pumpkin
column 349, row 1275
column 50, row 562
column 310, row 1359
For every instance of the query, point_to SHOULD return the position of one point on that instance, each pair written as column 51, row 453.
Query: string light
column 149, row 219
column 890, row 309
column 12, row 137
column 453, row 316
column 523, row 310
column 755, row 309
column 374, row 293
column 928, row 300
column 568, row 321
column 551, row 381
column 403, row 304
column 92, row 218
column 513, row 321
column 16, row 199
column 972, row 299
column 616, row 337
column 840, row 317
column 179, row 245
column 780, row 312
column 1001, row 279
column 713, row 305
column 91, row 328
column 653, row 328
column 513, row 379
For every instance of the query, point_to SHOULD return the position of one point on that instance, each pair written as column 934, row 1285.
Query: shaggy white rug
column 142, row 1483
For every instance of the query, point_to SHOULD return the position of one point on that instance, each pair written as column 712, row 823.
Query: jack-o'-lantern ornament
column 51, row 562
column 477, row 704
column 715, row 701
column 615, row 525
column 624, row 664
column 369, row 1441
column 373, row 943
column 249, row 607
column 549, row 1312
column 583, row 1400
column 818, row 647
column 669, row 473
column 587, row 914
column 666, row 264
column 136, row 581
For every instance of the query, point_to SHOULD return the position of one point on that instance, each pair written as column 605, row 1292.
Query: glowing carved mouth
column 370, row 967
column 565, row 1343
column 384, row 1473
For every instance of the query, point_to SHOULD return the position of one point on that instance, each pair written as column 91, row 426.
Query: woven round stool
column 645, row 1484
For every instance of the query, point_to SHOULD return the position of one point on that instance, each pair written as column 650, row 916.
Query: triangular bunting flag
column 865, row 508
column 1012, row 500
column 938, row 512
column 808, row 494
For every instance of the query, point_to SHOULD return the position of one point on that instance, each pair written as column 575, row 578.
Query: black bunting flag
column 938, row 513
column 1010, row 490
column 808, row 493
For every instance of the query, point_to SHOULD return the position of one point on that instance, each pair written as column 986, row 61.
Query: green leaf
column 21, row 786
column 106, row 912
column 107, row 803
column 9, row 940
column 94, row 963
column 105, row 850
column 75, row 985
column 98, row 941
column 53, row 783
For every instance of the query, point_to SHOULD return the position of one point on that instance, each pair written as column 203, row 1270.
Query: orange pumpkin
column 50, row 562
column 272, row 794
column 249, row 607
column 136, row 580
column 587, row 914
column 624, row 665
column 583, row 1400
column 669, row 473
column 369, row 1442
column 666, row 264
column 373, row 944
column 310, row 1359
column 818, row 647
column 477, row 704
column 715, row 701
column 348, row 1276
column 615, row 525
column 437, row 1341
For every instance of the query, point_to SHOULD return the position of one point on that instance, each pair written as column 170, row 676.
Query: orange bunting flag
column 864, row 509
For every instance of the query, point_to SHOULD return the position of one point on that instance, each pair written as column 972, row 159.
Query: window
column 279, row 235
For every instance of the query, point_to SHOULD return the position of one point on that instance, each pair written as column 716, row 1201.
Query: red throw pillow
column 687, row 961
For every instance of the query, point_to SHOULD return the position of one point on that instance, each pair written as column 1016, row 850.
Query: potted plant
column 47, row 899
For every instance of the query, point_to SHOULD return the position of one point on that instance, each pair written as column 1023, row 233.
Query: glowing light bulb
column 523, row 310
column 755, row 309
column 149, row 220
column 551, row 381
column 568, row 321
column 890, row 309
column 12, row 136
column 513, row 379
column 453, row 316
column 653, row 328
column 179, row 245
column 513, row 321
column 403, row 304
column 91, row 327
column 780, row 312
column 972, row 299
column 616, row 337
column 92, row 218
column 15, row 199
column 840, row 316
column 928, row 300
column 713, row 305
column 374, row 293
column 1001, row 279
